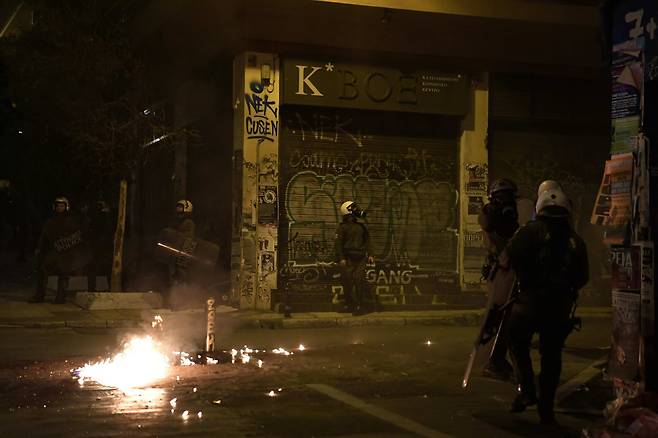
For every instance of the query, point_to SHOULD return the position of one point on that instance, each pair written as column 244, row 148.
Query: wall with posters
column 634, row 47
column 255, row 180
column 474, row 183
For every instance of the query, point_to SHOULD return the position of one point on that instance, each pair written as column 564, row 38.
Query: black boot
column 62, row 285
column 38, row 297
column 40, row 293
column 522, row 401
column 547, row 389
column 499, row 369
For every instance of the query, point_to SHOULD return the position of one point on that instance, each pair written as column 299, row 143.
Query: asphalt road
column 359, row 381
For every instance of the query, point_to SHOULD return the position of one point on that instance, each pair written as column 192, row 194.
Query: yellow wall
column 473, row 151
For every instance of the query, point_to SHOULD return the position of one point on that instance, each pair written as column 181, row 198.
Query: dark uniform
column 183, row 224
column 352, row 249
column 101, row 233
column 550, row 260
column 58, row 253
column 499, row 219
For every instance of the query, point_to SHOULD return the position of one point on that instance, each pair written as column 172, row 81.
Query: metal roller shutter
column 546, row 128
column 401, row 168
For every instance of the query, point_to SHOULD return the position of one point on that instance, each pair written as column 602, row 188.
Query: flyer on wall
column 613, row 203
column 627, row 79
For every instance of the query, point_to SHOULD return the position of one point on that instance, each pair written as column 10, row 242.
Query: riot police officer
column 499, row 221
column 550, row 260
column 57, row 250
column 184, row 224
column 353, row 249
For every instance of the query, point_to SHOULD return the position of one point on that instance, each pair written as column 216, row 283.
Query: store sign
column 374, row 88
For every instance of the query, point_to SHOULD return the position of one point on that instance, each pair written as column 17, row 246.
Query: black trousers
column 551, row 319
column 353, row 279
column 42, row 280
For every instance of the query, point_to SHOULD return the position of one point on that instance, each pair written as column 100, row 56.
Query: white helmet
column 553, row 203
column 62, row 200
column 346, row 207
column 187, row 205
column 549, row 184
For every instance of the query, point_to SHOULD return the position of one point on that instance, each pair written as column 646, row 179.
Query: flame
column 157, row 322
column 138, row 365
column 301, row 347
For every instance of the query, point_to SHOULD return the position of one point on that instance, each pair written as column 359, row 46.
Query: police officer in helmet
column 353, row 249
column 499, row 221
column 56, row 252
column 550, row 260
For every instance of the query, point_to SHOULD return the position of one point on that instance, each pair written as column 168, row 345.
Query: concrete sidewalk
column 14, row 313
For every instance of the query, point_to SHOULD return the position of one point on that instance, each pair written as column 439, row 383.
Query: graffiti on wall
column 262, row 119
column 327, row 128
column 415, row 163
column 409, row 223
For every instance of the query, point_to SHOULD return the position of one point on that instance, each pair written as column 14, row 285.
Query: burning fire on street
column 141, row 363
column 144, row 364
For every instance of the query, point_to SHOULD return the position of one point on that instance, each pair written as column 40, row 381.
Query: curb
column 274, row 322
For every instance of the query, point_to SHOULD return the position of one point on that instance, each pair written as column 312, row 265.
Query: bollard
column 210, row 331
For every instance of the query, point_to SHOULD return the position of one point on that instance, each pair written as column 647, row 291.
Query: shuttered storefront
column 400, row 167
column 547, row 128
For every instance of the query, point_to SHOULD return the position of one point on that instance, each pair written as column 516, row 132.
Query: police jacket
column 185, row 225
column 549, row 257
column 352, row 239
column 499, row 221
column 60, row 233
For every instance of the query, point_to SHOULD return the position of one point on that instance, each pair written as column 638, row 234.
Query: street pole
column 117, row 259
column 210, row 327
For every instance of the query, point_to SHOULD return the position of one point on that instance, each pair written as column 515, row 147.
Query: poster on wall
column 625, row 353
column 625, row 271
column 475, row 204
column 613, row 203
column 267, row 205
column 474, row 256
column 477, row 175
column 625, row 267
column 647, row 288
column 627, row 80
